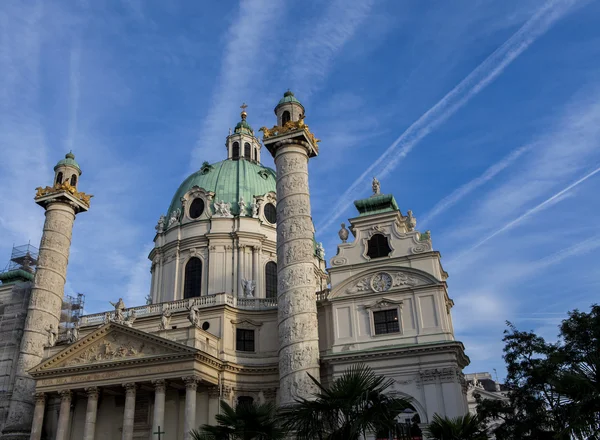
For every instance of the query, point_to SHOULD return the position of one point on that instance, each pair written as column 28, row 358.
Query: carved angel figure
column 193, row 316
column 160, row 226
column 376, row 187
column 174, row 218
column 320, row 251
column 130, row 318
column 255, row 207
column 52, row 336
column 106, row 319
column 165, row 320
column 248, row 286
column 343, row 233
column 242, row 205
column 223, row 208
column 411, row 222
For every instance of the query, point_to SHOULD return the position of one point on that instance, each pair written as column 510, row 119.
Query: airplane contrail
column 462, row 93
column 529, row 212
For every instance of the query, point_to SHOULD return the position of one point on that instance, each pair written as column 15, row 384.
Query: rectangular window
column 386, row 321
column 244, row 340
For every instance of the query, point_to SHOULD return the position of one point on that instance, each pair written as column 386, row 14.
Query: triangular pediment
column 114, row 343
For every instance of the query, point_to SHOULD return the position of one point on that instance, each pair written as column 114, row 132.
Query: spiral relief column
column 291, row 144
column 62, row 202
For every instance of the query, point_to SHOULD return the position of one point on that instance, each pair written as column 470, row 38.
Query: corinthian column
column 129, row 412
column 159, row 405
column 189, row 421
column 64, row 415
column 89, row 430
column 296, row 300
column 38, row 416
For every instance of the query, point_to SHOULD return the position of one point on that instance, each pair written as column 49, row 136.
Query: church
column 243, row 304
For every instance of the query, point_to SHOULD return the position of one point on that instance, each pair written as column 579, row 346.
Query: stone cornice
column 454, row 347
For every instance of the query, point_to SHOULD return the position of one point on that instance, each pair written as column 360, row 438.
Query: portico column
column 159, row 406
column 89, row 429
column 240, row 268
column 64, row 415
column 129, row 411
column 213, row 404
column 38, row 416
column 189, row 421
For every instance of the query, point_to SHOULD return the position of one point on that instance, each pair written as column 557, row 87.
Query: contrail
column 474, row 83
column 531, row 211
column 469, row 187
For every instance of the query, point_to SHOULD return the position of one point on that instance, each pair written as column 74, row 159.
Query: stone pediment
column 115, row 343
column 387, row 280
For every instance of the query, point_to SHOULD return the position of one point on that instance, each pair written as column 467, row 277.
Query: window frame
column 245, row 331
column 234, row 146
column 186, row 275
column 273, row 280
column 379, row 245
column 385, row 305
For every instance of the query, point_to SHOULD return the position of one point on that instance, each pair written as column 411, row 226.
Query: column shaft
column 38, row 416
column 43, row 312
column 296, row 284
column 129, row 412
column 89, row 430
column 255, row 268
column 159, row 407
column 64, row 416
column 189, row 421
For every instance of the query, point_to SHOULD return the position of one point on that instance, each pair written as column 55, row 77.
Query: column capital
column 160, row 385
column 40, row 397
column 130, row 387
column 191, row 382
column 92, row 392
column 65, row 394
column 213, row 392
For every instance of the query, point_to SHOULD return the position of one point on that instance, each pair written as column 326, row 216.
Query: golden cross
column 243, row 106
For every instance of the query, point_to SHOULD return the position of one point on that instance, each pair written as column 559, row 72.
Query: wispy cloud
column 241, row 65
column 461, row 192
column 460, row 95
column 74, row 63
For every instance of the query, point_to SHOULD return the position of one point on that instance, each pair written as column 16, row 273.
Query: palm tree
column 247, row 421
column 354, row 404
column 467, row 427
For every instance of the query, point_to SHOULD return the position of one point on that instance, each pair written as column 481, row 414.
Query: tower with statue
column 243, row 305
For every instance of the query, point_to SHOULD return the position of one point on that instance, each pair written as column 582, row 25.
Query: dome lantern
column 242, row 143
column 288, row 109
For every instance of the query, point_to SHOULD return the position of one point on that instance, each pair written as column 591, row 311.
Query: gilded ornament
column 66, row 187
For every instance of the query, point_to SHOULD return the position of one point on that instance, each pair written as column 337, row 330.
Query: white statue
column 254, row 207
column 52, row 336
column 248, row 286
column 106, row 319
column 411, row 222
column 119, row 307
column 160, row 227
column 376, row 187
column 73, row 334
column 130, row 318
column 343, row 233
column 223, row 209
column 174, row 217
column 242, row 205
column 193, row 316
column 165, row 320
column 320, row 251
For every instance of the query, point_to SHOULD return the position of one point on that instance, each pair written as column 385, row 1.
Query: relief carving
column 288, row 164
column 292, row 183
column 291, row 277
column 299, row 301
column 292, row 359
column 292, row 206
column 383, row 281
column 295, row 228
column 298, row 252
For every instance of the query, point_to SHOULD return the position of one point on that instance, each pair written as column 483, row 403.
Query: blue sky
column 482, row 117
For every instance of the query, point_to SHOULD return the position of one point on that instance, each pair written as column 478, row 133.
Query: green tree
column 467, row 427
column 247, row 421
column 357, row 402
column 553, row 389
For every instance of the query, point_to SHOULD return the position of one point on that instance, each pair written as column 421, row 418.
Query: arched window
column 247, row 152
column 73, row 180
column 59, row 177
column 271, row 279
column 255, row 154
column 378, row 246
column 235, row 151
column 285, row 117
column 193, row 278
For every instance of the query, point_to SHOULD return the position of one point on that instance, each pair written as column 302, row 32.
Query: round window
column 205, row 325
column 270, row 213
column 196, row 208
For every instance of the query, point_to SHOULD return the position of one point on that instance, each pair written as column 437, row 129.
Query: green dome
column 244, row 127
column 288, row 97
column 229, row 180
column 68, row 160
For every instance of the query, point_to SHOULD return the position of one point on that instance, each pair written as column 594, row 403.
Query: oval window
column 196, row 208
column 270, row 213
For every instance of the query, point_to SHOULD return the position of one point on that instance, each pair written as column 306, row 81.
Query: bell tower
column 242, row 143
column 292, row 144
column 62, row 202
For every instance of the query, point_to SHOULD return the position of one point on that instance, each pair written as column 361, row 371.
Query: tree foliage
column 467, row 427
column 553, row 388
column 357, row 402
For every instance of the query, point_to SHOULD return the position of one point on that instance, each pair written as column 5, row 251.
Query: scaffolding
column 23, row 257
column 72, row 309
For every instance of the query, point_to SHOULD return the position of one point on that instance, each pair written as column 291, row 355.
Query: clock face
column 381, row 282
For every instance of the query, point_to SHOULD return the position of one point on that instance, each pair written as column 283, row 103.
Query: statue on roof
column 160, row 227
column 376, row 187
column 248, row 287
column 223, row 209
column 119, row 307
column 242, row 205
column 52, row 336
column 411, row 222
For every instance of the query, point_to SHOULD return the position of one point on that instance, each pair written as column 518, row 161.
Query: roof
column 69, row 160
column 15, row 275
column 289, row 97
column 376, row 204
column 229, row 179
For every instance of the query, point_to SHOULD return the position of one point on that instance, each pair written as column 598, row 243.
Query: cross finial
column 243, row 106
